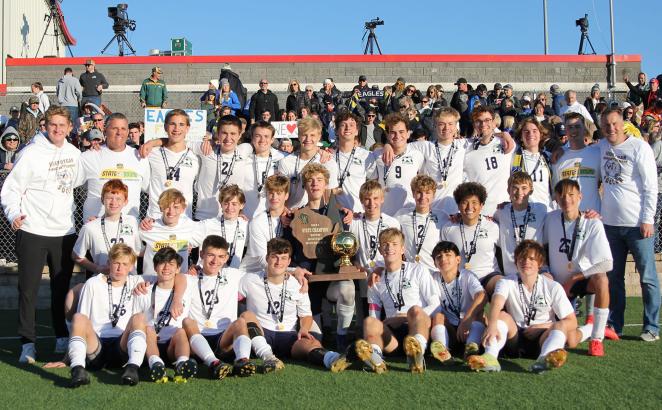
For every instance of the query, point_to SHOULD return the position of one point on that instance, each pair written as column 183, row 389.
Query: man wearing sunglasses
column 9, row 148
column 263, row 100
column 371, row 132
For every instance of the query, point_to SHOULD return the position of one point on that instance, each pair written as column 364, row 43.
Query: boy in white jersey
column 529, row 158
column 165, row 337
column 579, row 258
column 518, row 220
column 173, row 165
column 310, row 134
column 214, row 310
column 530, row 315
column 475, row 235
column 351, row 160
column 274, row 308
column 420, row 224
column 407, row 163
column 103, row 332
column 409, row 296
column 458, row 320
column 99, row 235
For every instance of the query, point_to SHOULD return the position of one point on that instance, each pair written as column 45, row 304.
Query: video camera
column 121, row 18
column 372, row 24
column 582, row 23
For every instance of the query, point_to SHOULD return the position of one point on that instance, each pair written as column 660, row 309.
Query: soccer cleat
column 414, row 352
column 646, row 336
column 440, row 352
column 185, row 370
column 219, row 370
column 471, row 349
column 364, row 352
column 595, row 348
column 589, row 319
column 272, row 364
column 243, row 368
column 157, row 372
column 61, row 344
column 130, row 375
column 611, row 334
column 79, row 377
column 340, row 364
column 553, row 360
column 484, row 363
column 28, row 353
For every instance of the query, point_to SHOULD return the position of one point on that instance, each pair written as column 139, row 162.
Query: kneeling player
column 457, row 322
column 537, row 321
column 103, row 332
column 408, row 294
column 274, row 306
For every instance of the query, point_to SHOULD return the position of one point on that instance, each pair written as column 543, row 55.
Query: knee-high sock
column 586, row 331
column 345, row 315
column 439, row 333
column 601, row 316
column 494, row 346
column 555, row 341
column 77, row 351
column 261, row 347
column 422, row 340
column 242, row 347
column 136, row 346
column 201, row 348
column 476, row 332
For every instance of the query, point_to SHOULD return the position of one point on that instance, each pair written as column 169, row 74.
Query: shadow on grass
column 36, row 369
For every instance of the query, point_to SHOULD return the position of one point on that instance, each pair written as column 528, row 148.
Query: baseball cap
column 507, row 87
column 89, row 62
column 214, row 83
column 560, row 129
column 653, row 80
column 94, row 134
column 33, row 100
column 461, row 80
column 555, row 89
column 596, row 87
column 157, row 70
column 362, row 78
column 14, row 109
column 328, row 81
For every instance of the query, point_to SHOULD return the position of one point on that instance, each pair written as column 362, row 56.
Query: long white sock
column 242, row 347
column 475, row 332
column 590, row 301
column 153, row 359
column 345, row 314
column 422, row 340
column 329, row 358
column 201, row 348
column 586, row 331
column 555, row 341
column 377, row 355
column 600, row 321
column 136, row 346
column 494, row 346
column 439, row 333
column 77, row 351
column 261, row 347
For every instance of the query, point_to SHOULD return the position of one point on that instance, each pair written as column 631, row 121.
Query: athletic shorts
column 163, row 350
column 108, row 354
column 399, row 332
column 214, row 342
column 523, row 346
column 486, row 279
column 281, row 342
column 579, row 289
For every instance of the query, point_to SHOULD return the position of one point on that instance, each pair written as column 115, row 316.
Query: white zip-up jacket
column 41, row 187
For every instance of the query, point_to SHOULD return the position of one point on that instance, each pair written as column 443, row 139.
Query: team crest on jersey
column 613, row 168
column 482, row 233
column 241, row 235
column 357, row 161
column 407, row 160
column 223, row 280
column 187, row 162
column 406, row 284
column 126, row 230
column 540, row 302
column 497, row 149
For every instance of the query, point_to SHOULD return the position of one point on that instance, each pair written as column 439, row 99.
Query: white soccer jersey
column 179, row 237
column 458, row 295
column 262, row 229
column 591, row 246
column 291, row 167
column 257, row 171
column 297, row 304
column 217, row 170
column 398, row 291
column 422, row 233
column 99, row 167
column 92, row 238
column 535, row 164
column 549, row 301
column 511, row 234
column 223, row 306
column 153, row 307
column 235, row 232
column 367, row 233
column 94, row 304
column 489, row 166
column 584, row 167
column 182, row 167
column 396, row 178
column 483, row 261
column 352, row 175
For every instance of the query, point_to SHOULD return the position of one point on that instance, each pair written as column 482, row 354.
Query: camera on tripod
column 372, row 24
column 582, row 23
column 121, row 18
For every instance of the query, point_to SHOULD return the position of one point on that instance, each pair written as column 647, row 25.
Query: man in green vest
column 153, row 93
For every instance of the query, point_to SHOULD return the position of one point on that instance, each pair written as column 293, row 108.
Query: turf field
column 629, row 376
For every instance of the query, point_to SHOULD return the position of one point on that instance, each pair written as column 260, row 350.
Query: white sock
column 422, row 340
column 242, row 347
column 476, row 332
column 261, row 347
column 77, row 351
column 555, row 341
column 153, row 359
column 201, row 348
column 590, row 301
column 181, row 359
column 586, row 331
column 600, row 321
column 329, row 358
column 377, row 354
column 136, row 346
column 377, row 349
column 494, row 346
column 345, row 314
column 439, row 333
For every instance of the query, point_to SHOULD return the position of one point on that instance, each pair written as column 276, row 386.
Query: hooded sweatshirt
column 7, row 157
column 41, row 186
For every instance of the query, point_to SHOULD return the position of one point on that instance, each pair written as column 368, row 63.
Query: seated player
column 579, row 257
column 408, row 295
column 214, row 310
column 165, row 337
column 476, row 236
column 458, row 320
column 274, row 307
column 530, row 316
column 100, row 234
column 103, row 332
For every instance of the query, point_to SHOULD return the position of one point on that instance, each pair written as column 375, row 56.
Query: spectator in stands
column 370, row 132
column 136, row 138
column 433, row 94
column 210, row 105
column 154, row 92
column 281, row 115
column 286, row 145
column 14, row 114
column 69, row 93
column 93, row 83
column 42, row 125
column 310, row 101
column 10, row 146
column 574, row 106
column 329, row 89
column 212, row 89
column 28, row 125
column 296, row 98
column 93, row 139
column 495, row 96
column 291, row 116
column 542, row 97
column 363, row 84
column 38, row 91
column 413, row 93
column 539, row 111
column 263, row 100
column 629, row 114
column 637, row 91
column 460, row 102
column 508, row 94
column 228, row 98
column 592, row 101
column 265, row 116
column 558, row 101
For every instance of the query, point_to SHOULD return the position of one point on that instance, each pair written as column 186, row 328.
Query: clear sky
column 336, row 27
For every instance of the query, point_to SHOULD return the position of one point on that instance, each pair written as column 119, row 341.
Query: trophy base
column 344, row 273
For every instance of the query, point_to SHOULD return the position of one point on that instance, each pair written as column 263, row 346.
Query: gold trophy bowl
column 345, row 245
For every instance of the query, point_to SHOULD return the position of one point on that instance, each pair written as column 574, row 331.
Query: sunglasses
column 11, row 139
column 425, row 101
column 371, row 115
column 97, row 119
column 261, row 83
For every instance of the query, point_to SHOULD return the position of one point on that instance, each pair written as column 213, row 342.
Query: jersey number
column 491, row 163
column 420, row 228
column 208, row 295
column 121, row 311
column 270, row 309
column 537, row 176
column 398, row 171
column 224, row 168
column 115, row 240
column 174, row 173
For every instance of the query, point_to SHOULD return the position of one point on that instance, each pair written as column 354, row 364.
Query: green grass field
column 629, row 376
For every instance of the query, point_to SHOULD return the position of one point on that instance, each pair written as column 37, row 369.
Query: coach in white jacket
column 37, row 198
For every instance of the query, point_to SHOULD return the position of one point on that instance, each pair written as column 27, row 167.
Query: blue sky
column 336, row 27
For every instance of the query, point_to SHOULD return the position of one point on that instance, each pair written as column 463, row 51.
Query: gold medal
column 569, row 266
column 417, row 258
column 168, row 183
column 372, row 264
column 280, row 326
column 467, row 266
column 443, row 184
column 208, row 324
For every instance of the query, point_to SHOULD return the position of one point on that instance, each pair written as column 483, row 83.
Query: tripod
column 54, row 14
column 372, row 41
column 121, row 41
column 582, row 45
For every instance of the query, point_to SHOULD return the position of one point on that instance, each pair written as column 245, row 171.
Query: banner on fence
column 286, row 129
column 155, row 120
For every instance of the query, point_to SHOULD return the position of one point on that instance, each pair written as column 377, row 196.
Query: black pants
column 33, row 252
